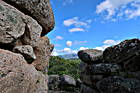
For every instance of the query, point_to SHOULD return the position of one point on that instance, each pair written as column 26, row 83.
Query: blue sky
column 83, row 24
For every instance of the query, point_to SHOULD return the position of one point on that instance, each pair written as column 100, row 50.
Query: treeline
column 60, row 66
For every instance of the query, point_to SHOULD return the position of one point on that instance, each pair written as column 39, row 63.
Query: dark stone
column 118, row 84
column 90, row 56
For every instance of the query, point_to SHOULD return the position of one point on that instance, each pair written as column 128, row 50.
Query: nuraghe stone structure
column 114, row 70
column 24, row 49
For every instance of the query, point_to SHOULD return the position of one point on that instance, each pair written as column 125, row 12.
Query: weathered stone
column 90, row 56
column 67, row 80
column 16, row 76
column 11, row 24
column 83, row 66
column 67, row 83
column 78, row 83
column 118, row 85
column 127, row 53
column 90, row 80
column 32, row 33
column 38, row 9
column 104, row 68
column 42, row 51
column 54, row 81
column 86, row 89
column 26, row 51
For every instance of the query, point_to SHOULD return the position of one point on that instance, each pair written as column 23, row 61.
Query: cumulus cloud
column 69, row 43
column 76, row 30
column 64, row 51
column 111, row 42
column 118, row 7
column 108, row 43
column 77, row 24
column 83, row 48
column 58, row 38
column 75, row 21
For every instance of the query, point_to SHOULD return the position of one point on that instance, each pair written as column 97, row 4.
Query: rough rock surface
column 42, row 51
column 118, row 70
column 86, row 89
column 127, row 53
column 32, row 33
column 104, row 68
column 38, row 9
column 16, row 76
column 67, row 80
column 26, row 51
column 90, row 55
column 22, row 22
column 62, row 84
column 54, row 81
column 11, row 24
column 118, row 85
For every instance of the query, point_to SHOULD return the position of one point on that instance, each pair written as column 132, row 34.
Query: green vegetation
column 62, row 66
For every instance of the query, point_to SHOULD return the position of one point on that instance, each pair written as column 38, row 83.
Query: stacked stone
column 62, row 84
column 24, row 49
column 115, row 70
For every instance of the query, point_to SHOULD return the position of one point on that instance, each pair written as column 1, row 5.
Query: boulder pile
column 24, row 49
column 114, row 70
column 63, row 84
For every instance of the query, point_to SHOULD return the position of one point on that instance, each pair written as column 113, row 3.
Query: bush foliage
column 60, row 66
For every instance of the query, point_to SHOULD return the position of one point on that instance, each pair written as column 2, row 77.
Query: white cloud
column 64, row 51
column 77, row 24
column 102, row 47
column 58, row 38
column 108, row 43
column 77, row 30
column 111, row 42
column 117, row 8
column 67, row 50
column 69, row 43
column 75, row 21
column 83, row 48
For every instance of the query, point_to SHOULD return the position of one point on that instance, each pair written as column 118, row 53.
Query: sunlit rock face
column 38, row 9
column 24, row 53
column 115, row 70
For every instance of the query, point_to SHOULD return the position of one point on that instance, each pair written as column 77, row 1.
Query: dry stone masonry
column 115, row 70
column 24, row 49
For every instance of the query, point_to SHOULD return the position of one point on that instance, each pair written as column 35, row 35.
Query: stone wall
column 115, row 70
column 24, row 50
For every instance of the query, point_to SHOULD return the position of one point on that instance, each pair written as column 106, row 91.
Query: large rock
column 17, row 27
column 86, row 89
column 42, row 51
column 32, row 33
column 27, row 51
column 38, row 9
column 99, row 69
column 117, row 84
column 127, row 53
column 67, row 83
column 90, row 80
column 16, row 76
column 54, row 81
column 11, row 24
column 67, row 80
column 104, row 68
column 90, row 56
